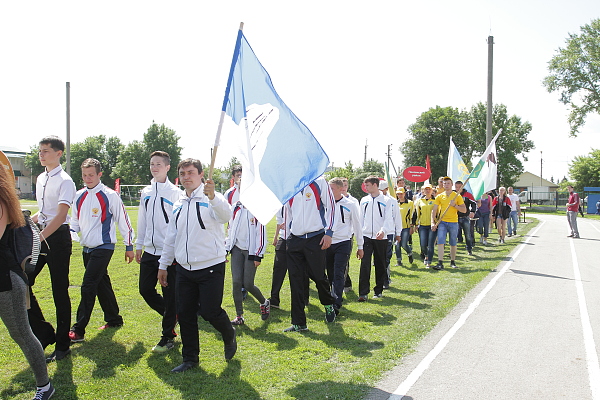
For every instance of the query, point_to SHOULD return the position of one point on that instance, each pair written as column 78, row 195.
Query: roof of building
column 527, row 179
column 13, row 151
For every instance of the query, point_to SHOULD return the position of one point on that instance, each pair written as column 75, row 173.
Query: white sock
column 45, row 387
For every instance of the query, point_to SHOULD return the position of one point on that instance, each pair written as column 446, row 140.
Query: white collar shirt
column 53, row 188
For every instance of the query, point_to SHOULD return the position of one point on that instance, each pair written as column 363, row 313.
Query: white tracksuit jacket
column 195, row 236
column 347, row 221
column 310, row 211
column 396, row 215
column 376, row 215
column 95, row 215
column 156, row 207
column 246, row 233
column 232, row 194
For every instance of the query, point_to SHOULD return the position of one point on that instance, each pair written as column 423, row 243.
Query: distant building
column 22, row 174
column 533, row 183
column 537, row 189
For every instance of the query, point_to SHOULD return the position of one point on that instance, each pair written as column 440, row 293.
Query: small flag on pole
column 391, row 185
column 484, row 176
column 278, row 153
column 457, row 169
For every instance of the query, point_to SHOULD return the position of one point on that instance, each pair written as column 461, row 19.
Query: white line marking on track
column 412, row 378
column 588, row 335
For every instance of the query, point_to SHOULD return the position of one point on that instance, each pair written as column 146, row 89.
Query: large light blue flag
column 279, row 154
column 457, row 169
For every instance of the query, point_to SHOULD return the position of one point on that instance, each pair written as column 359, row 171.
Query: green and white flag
column 484, row 175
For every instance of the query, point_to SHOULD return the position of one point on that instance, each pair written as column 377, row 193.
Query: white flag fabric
column 279, row 154
column 484, row 176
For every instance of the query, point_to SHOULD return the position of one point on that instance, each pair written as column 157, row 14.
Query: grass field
column 341, row 360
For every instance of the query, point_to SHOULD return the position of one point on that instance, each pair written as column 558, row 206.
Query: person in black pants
column 311, row 216
column 195, row 238
column 98, row 210
column 55, row 192
column 155, row 210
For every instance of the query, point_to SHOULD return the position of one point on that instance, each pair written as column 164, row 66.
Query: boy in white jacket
column 245, row 242
column 377, row 222
column 156, row 208
column 195, row 238
column 98, row 210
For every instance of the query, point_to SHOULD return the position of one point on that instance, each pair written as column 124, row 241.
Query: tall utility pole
column 365, row 150
column 488, row 131
column 69, row 128
column 541, row 167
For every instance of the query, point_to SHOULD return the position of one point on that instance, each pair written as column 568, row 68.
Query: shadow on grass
column 336, row 390
column 108, row 354
column 197, row 383
column 62, row 379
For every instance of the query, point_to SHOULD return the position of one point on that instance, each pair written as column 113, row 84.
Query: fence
column 554, row 200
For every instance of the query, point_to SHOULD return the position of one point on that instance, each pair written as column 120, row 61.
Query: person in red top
column 501, row 207
column 572, row 208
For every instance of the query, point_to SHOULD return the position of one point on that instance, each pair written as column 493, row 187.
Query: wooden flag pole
column 219, row 129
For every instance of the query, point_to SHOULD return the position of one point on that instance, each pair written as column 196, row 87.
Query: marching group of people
column 183, row 245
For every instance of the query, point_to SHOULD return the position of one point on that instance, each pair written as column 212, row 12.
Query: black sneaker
column 329, row 313
column 438, row 266
column 265, row 309
column 422, row 257
column 296, row 328
column 43, row 394
column 410, row 258
column 165, row 344
column 453, row 264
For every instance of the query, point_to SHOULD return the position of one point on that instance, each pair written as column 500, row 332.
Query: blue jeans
column 403, row 244
column 483, row 224
column 427, row 238
column 513, row 222
column 465, row 224
column 447, row 228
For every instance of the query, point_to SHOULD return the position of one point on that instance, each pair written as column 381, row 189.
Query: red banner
column 416, row 174
column 118, row 185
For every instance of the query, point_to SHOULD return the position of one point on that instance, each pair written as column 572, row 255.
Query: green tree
column 159, row 137
column 575, row 74
column 32, row 161
column 102, row 149
column 132, row 166
column 136, row 171
column 369, row 167
column 430, row 134
column 511, row 146
column 585, row 170
column 345, row 172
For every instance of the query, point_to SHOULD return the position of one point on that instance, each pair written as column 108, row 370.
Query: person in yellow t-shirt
column 422, row 218
column 446, row 205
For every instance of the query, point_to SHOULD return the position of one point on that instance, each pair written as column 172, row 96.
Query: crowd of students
column 185, row 238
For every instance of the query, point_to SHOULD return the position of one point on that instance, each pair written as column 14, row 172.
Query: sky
column 356, row 73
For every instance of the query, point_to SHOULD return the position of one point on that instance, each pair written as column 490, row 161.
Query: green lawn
column 341, row 360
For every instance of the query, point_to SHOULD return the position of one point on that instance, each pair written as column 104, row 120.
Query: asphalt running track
column 528, row 331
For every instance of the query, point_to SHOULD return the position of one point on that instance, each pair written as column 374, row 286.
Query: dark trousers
column 96, row 282
column 201, row 291
column 165, row 305
column 57, row 258
column 464, row 224
column 279, row 270
column 305, row 257
column 377, row 249
column 337, row 257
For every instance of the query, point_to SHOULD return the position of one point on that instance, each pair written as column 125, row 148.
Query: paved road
column 528, row 331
